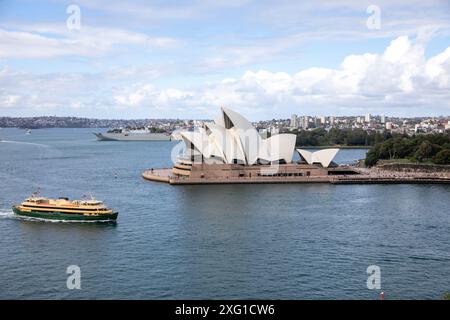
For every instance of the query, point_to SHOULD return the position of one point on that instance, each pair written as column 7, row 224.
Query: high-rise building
column 331, row 120
column 305, row 122
column 367, row 118
column 358, row 119
column 294, row 123
column 388, row 125
column 382, row 118
column 323, row 120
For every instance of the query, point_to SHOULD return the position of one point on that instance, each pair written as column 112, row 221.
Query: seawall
column 365, row 177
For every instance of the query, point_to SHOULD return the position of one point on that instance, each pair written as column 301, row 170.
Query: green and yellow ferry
column 65, row 209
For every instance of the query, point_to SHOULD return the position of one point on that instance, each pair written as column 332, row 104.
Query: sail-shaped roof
column 234, row 139
column 324, row 156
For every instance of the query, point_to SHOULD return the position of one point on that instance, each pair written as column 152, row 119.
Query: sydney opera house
column 231, row 150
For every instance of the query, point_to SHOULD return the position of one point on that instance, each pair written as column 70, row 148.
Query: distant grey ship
column 132, row 134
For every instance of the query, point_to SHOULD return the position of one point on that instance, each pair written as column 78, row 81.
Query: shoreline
column 365, row 176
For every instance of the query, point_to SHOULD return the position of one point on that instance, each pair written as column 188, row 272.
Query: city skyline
column 268, row 116
column 184, row 59
column 368, row 123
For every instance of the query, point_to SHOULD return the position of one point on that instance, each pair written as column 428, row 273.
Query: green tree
column 442, row 157
column 424, row 151
column 371, row 159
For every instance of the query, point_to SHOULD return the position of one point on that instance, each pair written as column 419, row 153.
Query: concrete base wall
column 240, row 174
column 231, row 171
column 234, row 174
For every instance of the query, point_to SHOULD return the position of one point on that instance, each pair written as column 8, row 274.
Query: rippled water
column 312, row 241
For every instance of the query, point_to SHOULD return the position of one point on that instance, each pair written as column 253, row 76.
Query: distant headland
column 78, row 122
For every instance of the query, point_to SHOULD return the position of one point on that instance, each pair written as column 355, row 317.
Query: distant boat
column 28, row 131
column 133, row 134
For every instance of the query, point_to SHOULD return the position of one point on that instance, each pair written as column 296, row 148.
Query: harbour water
column 306, row 241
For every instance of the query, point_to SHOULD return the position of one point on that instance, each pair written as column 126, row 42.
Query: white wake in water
column 10, row 215
column 44, row 149
column 60, row 221
column 6, row 214
column 27, row 143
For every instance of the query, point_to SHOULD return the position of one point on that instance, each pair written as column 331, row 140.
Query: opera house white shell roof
column 324, row 157
column 232, row 139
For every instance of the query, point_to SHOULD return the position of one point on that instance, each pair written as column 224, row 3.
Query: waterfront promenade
column 365, row 176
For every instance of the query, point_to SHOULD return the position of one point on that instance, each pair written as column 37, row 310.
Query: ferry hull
column 65, row 216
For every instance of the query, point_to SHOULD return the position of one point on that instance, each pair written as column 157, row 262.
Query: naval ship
column 133, row 134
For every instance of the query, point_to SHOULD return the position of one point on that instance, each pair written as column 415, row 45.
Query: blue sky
column 185, row 59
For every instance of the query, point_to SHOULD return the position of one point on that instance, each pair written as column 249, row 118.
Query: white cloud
column 9, row 100
column 399, row 80
column 399, row 77
column 164, row 10
column 48, row 41
column 437, row 69
column 147, row 95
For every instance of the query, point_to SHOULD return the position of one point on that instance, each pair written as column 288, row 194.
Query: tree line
column 432, row 148
column 342, row 137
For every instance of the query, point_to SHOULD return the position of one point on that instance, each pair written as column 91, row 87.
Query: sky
column 186, row 59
